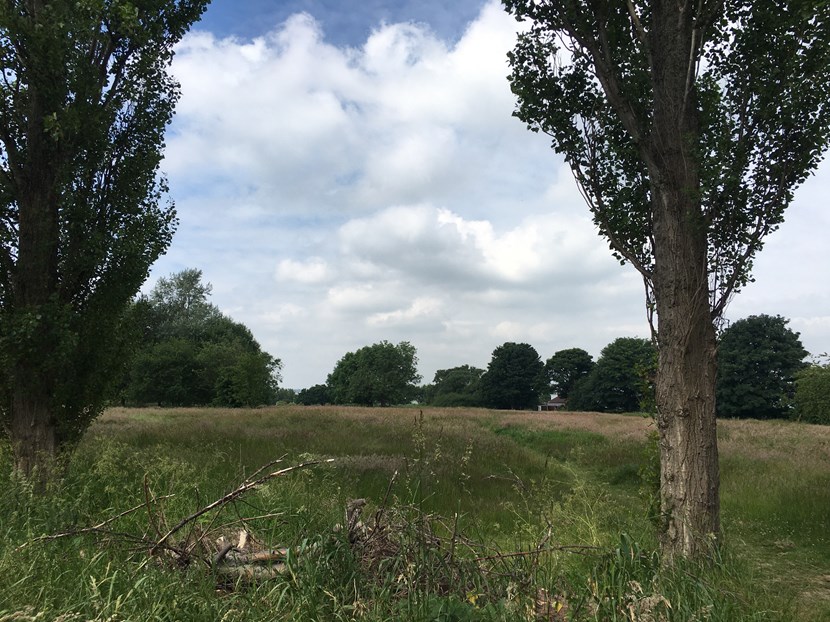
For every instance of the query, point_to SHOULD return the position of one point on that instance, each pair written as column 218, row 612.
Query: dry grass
column 775, row 440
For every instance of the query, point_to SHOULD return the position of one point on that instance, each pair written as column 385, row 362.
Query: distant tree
column 85, row 97
column 381, row 374
column 180, row 304
column 457, row 386
column 615, row 384
column 319, row 394
column 812, row 395
column 514, row 378
column 565, row 368
column 192, row 354
column 285, row 395
column 758, row 359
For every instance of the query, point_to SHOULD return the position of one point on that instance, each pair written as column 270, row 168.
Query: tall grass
column 491, row 516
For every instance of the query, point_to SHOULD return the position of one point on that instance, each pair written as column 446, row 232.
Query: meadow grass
column 486, row 483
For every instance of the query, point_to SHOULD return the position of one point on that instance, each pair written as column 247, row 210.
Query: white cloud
column 421, row 308
column 338, row 196
column 312, row 270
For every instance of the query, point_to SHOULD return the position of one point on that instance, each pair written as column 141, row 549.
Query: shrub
column 812, row 395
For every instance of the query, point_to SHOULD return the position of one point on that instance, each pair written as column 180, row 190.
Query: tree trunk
column 686, row 336
column 32, row 433
column 32, row 427
column 689, row 479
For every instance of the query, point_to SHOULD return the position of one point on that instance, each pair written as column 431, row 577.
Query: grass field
column 492, row 516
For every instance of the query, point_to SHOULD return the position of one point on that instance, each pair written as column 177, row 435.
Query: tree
column 382, row 374
column 514, row 378
column 758, row 360
column 615, row 384
column 812, row 395
column 687, row 126
column 286, row 396
column 192, row 354
column 565, row 368
column 314, row 395
column 84, row 100
column 180, row 304
column 457, row 386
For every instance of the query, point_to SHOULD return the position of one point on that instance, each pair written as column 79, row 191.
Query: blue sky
column 349, row 175
column 345, row 23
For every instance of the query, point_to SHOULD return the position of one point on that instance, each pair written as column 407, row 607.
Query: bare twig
column 581, row 549
column 99, row 528
column 382, row 506
column 241, row 490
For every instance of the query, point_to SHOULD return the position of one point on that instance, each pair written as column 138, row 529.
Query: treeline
column 762, row 374
column 188, row 353
column 516, row 378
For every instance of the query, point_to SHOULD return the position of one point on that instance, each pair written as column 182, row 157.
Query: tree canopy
column 812, row 395
column 317, row 394
column 565, row 368
column 616, row 383
column 191, row 354
column 688, row 126
column 84, row 101
column 457, row 386
column 514, row 378
column 758, row 360
column 381, row 374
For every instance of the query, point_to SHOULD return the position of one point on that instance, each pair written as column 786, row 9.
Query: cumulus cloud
column 438, row 245
column 340, row 195
column 312, row 270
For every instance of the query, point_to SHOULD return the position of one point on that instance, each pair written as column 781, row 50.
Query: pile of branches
column 399, row 547
column 230, row 549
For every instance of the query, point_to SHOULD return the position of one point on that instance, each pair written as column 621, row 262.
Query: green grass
column 483, row 482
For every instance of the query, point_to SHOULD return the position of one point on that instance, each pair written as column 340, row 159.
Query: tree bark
column 685, row 389
column 32, row 432
column 32, row 426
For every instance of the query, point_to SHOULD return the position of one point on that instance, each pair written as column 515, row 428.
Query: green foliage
column 191, row 354
column 615, row 384
column 583, row 74
column 285, row 396
column 812, row 395
column 514, row 378
column 688, row 139
column 565, row 368
column 84, row 101
column 457, row 386
column 381, row 374
column 758, row 359
column 314, row 395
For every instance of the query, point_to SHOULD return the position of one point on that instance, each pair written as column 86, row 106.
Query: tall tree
column 381, row 374
column 84, row 99
column 687, row 125
column 514, row 378
column 457, row 386
column 565, row 368
column 616, row 383
column 191, row 354
column 758, row 359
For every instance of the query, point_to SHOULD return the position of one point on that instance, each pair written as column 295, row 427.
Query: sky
column 347, row 175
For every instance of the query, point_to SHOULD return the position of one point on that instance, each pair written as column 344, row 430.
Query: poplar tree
column 85, row 96
column 688, row 126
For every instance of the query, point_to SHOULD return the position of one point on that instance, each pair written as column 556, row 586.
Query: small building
column 554, row 403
